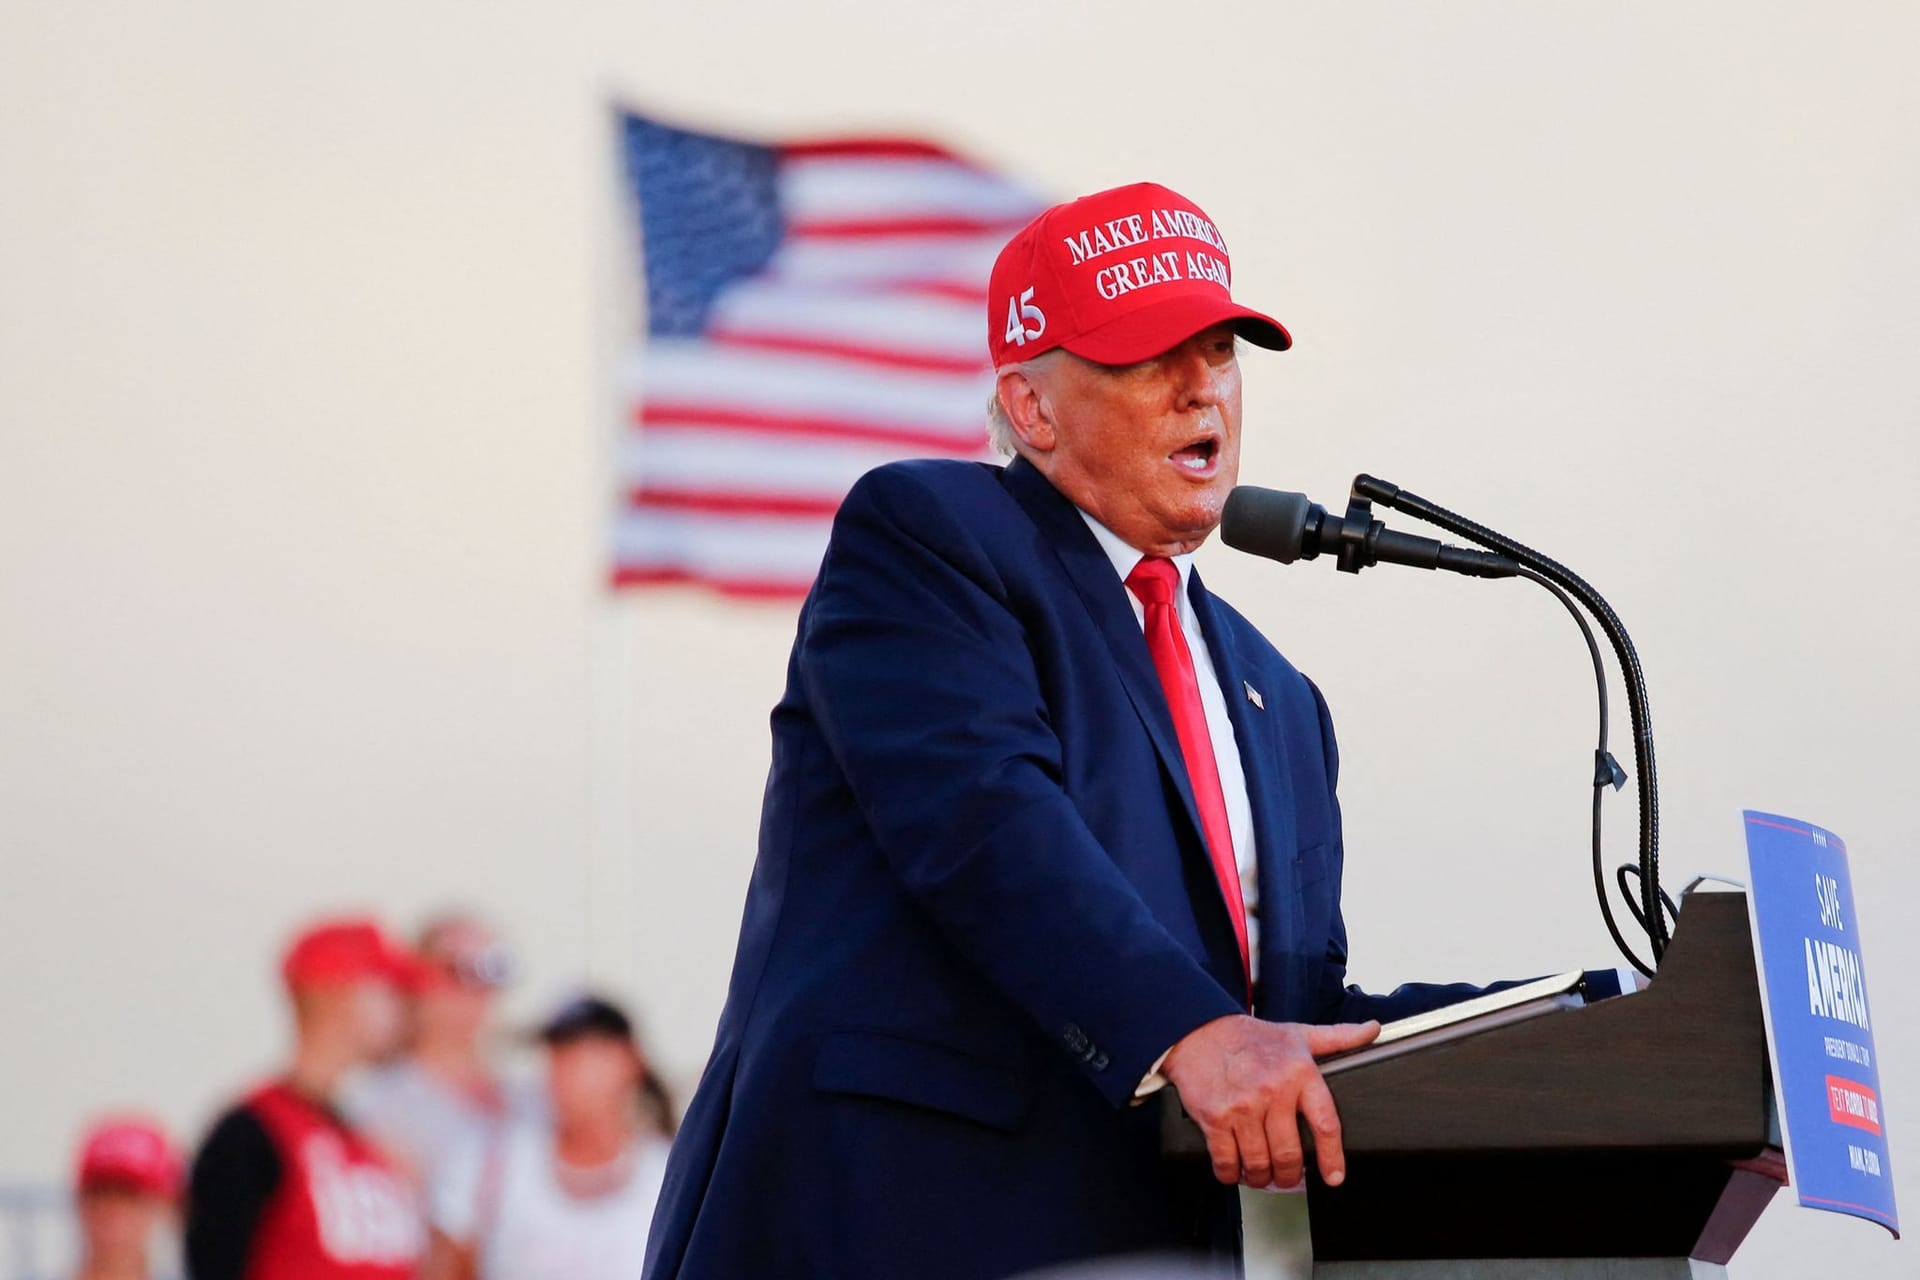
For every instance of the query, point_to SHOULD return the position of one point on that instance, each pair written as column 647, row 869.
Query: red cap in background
column 129, row 1152
column 334, row 953
column 1117, row 277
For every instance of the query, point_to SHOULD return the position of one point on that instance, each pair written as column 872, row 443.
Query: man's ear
column 1028, row 414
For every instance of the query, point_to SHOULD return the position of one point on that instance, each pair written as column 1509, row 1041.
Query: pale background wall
column 300, row 316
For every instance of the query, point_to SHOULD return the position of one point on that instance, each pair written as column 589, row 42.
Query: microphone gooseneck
column 1288, row 527
column 1646, row 783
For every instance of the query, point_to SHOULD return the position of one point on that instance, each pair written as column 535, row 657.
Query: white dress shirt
column 1213, row 700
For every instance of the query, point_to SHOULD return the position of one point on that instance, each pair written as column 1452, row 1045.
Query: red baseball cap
column 1117, row 277
column 334, row 953
column 131, row 1152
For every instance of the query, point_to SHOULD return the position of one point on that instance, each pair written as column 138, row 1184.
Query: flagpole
column 610, row 884
column 610, row 879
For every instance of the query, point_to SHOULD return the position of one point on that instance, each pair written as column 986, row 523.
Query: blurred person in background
column 570, row 1195
column 442, row 1094
column 126, row 1190
column 285, row 1188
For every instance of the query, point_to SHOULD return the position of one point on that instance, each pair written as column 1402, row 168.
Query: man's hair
column 999, row 426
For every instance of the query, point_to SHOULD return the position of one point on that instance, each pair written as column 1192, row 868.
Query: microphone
column 1288, row 526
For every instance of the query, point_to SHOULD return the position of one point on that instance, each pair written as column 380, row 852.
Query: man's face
column 379, row 1014
column 1150, row 450
column 590, row 1075
column 466, row 964
column 117, row 1223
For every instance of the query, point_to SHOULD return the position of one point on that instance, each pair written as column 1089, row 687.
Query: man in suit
column 1048, row 826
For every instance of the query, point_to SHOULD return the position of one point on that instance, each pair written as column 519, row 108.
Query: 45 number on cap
column 1024, row 320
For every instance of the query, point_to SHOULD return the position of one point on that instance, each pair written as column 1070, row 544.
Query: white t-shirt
column 417, row 1117
column 504, row 1200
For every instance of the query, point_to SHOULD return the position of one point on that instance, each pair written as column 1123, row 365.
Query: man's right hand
column 1245, row 1082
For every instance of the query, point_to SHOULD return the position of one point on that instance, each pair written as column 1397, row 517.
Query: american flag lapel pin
column 1253, row 696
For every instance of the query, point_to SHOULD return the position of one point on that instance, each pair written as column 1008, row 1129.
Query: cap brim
column 146, row 1182
column 404, row 970
column 1161, row 326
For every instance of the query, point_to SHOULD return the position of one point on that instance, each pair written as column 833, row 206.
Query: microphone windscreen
column 1265, row 522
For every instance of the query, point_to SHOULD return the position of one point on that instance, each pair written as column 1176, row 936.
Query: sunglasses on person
column 487, row 968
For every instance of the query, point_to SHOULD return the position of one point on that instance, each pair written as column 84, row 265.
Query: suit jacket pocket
column 884, row 1064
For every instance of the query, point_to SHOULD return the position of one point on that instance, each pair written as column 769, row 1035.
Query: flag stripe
column 887, row 357
column 761, row 463
column 772, row 588
column 815, row 188
column 810, row 386
column 952, row 225
column 906, row 440
column 735, row 503
column 915, row 321
column 870, row 147
column 742, row 546
column 948, row 259
column 952, row 291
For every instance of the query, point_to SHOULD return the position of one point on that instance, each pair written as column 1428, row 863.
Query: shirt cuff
column 1153, row 1082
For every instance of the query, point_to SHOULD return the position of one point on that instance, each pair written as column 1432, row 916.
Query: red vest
column 341, row 1212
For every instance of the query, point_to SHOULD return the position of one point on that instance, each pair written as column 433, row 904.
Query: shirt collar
column 1124, row 557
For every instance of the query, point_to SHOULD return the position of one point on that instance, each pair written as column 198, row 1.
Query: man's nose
column 1196, row 379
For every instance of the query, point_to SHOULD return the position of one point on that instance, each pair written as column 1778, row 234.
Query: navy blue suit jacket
column 982, row 909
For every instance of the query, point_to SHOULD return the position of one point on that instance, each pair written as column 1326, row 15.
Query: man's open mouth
column 1197, row 455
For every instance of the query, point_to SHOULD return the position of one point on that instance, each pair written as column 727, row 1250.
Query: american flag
column 813, row 309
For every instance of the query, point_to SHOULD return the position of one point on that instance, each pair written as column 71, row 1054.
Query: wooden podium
column 1629, row 1138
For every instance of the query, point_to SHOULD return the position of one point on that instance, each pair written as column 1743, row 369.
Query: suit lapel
column 1263, row 757
column 1105, row 599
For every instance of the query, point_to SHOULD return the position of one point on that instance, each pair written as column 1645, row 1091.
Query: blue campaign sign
column 1820, row 1018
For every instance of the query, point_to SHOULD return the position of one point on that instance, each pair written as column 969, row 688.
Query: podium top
column 1681, row 1065
column 1519, row 1140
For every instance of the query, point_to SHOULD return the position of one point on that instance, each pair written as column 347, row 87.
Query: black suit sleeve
column 234, row 1176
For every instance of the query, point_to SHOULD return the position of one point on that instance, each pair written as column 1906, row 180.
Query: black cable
column 1620, row 874
column 1604, row 769
column 1646, row 788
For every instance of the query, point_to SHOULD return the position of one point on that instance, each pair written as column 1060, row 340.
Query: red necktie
column 1154, row 580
